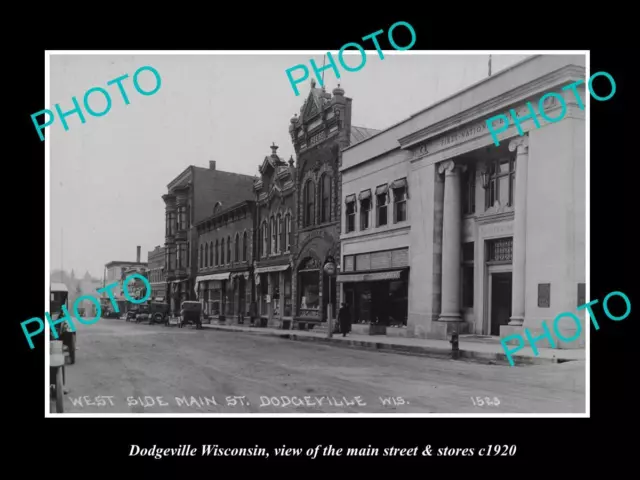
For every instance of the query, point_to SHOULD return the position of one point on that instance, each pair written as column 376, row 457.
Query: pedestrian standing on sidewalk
column 344, row 318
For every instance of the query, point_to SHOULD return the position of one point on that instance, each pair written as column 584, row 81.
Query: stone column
column 451, row 242
column 521, row 144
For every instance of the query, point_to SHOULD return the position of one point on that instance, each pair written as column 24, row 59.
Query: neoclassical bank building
column 476, row 238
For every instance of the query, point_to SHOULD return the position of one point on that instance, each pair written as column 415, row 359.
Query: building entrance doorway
column 500, row 301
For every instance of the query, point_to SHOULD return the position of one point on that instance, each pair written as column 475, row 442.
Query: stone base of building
column 506, row 330
column 443, row 330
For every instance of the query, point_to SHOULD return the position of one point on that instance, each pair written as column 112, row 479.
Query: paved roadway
column 118, row 359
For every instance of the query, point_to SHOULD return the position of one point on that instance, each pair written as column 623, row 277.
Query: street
column 123, row 367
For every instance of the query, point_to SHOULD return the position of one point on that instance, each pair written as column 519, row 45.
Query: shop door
column 500, row 301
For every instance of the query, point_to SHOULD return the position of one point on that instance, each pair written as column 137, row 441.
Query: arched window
column 216, row 264
column 229, row 249
column 222, row 252
column 325, row 198
column 281, row 246
column 287, row 232
column 309, row 203
column 202, row 256
column 206, row 257
column 217, row 207
column 274, row 236
column 244, row 247
column 265, row 239
column 210, row 253
column 236, row 248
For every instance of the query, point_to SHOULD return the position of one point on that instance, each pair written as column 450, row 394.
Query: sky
column 108, row 175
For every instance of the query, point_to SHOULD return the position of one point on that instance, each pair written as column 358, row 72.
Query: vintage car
column 143, row 313
column 131, row 314
column 190, row 313
column 60, row 297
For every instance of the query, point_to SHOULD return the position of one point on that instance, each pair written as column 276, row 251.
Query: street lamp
column 330, row 270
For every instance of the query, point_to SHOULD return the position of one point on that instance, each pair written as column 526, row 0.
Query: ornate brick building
column 276, row 213
column 319, row 134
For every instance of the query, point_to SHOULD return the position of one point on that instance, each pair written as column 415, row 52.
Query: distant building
column 191, row 198
column 116, row 272
column 157, row 274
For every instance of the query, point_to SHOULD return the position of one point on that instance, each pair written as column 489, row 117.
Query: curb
column 413, row 350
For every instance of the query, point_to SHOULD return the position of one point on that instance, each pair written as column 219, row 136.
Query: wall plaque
column 581, row 294
column 544, row 295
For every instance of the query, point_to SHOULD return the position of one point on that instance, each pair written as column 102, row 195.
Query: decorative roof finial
column 313, row 83
column 291, row 161
column 274, row 147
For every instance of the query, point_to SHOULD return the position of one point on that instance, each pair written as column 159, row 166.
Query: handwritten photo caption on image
column 198, row 402
column 159, row 453
column 65, row 317
column 117, row 81
column 482, row 401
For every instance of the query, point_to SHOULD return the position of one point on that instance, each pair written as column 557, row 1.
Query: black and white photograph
column 282, row 234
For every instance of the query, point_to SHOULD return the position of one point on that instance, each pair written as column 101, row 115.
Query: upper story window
column 228, row 249
column 182, row 217
column 501, row 184
column 171, row 223
column 265, row 239
column 309, row 203
column 350, row 203
column 244, row 247
column 399, row 188
column 210, row 253
column 222, row 252
column 279, row 240
column 365, row 208
column 206, row 256
column 217, row 250
column 274, row 236
column 202, row 251
column 325, row 198
column 382, row 199
column 287, row 232
column 236, row 248
column 469, row 190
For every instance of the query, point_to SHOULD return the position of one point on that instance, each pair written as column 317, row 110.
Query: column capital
column 449, row 167
column 521, row 144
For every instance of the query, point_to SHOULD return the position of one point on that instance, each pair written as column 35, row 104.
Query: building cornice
column 497, row 105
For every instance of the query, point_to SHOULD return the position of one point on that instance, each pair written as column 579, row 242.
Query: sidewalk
column 471, row 350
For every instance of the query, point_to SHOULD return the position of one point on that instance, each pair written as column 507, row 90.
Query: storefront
column 274, row 294
column 376, row 287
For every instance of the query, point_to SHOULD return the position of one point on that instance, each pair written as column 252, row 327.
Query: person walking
column 344, row 318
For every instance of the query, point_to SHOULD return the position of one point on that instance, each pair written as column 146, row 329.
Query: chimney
column 212, row 164
column 138, row 254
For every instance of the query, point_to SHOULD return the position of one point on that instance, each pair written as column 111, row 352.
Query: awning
column 275, row 268
column 382, row 189
column 180, row 281
column 213, row 276
column 400, row 183
column 159, row 299
column 370, row 277
column 364, row 194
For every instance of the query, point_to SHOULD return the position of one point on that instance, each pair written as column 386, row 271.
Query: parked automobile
column 143, row 313
column 190, row 313
column 131, row 314
column 111, row 314
column 59, row 297
column 159, row 312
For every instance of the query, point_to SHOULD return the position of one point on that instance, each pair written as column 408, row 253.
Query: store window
column 309, row 281
column 288, row 307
